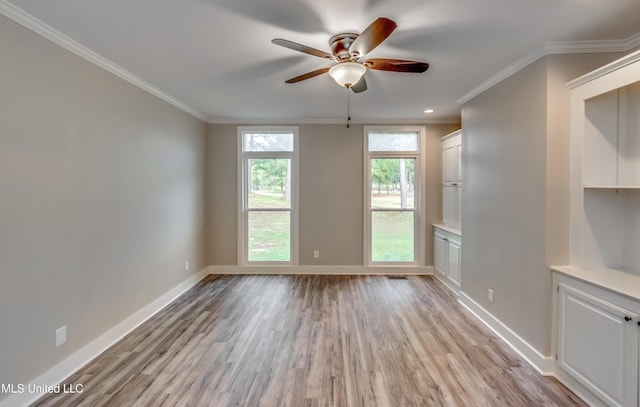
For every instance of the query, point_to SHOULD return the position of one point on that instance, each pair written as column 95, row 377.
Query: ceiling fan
column 348, row 49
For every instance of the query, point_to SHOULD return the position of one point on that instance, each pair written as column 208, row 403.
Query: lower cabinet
column 597, row 344
column 446, row 257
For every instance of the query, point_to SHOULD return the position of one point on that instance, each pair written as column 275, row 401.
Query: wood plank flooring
column 312, row 341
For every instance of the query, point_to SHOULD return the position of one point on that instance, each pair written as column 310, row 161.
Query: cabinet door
column 459, row 160
column 453, row 264
column 449, row 205
column 597, row 345
column 449, row 164
column 439, row 254
column 458, row 206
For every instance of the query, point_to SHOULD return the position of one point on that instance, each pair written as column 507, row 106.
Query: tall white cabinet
column 447, row 235
column 452, row 179
column 597, row 296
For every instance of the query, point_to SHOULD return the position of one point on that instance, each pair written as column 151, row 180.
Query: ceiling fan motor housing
column 340, row 44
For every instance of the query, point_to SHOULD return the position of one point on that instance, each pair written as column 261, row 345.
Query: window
column 268, row 195
column 394, row 225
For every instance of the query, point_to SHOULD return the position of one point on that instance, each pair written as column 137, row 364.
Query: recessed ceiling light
column 429, row 111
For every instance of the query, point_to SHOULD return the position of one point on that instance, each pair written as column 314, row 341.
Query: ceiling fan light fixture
column 347, row 74
column 347, row 48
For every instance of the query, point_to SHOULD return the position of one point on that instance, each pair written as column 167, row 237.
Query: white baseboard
column 585, row 394
column 545, row 365
column 74, row 362
column 447, row 283
column 324, row 270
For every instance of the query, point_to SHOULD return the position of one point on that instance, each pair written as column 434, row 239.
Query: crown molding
column 633, row 42
column 602, row 71
column 504, row 73
column 39, row 27
column 554, row 48
column 364, row 121
column 592, row 47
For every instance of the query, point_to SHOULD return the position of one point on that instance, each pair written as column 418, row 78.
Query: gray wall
column 331, row 188
column 515, row 203
column 331, row 194
column 101, row 200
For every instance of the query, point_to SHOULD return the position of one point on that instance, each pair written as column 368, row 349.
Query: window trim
column 419, row 233
column 242, row 202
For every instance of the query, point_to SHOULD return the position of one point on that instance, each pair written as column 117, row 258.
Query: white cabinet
column 440, row 257
column 446, row 256
column 453, row 262
column 452, row 179
column 450, row 159
column 597, row 340
column 447, row 237
column 450, row 212
column 597, row 299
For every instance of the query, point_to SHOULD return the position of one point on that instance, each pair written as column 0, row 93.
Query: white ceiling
column 216, row 56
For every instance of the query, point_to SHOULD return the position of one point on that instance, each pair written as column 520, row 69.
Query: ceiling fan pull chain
column 348, row 106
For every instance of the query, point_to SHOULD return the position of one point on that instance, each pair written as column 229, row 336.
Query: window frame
column 243, row 193
column 419, row 210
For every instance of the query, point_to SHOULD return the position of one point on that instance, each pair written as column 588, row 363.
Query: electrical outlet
column 186, row 265
column 316, row 254
column 61, row 335
column 490, row 295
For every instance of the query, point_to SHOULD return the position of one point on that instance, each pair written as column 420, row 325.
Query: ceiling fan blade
column 302, row 48
column 360, row 87
column 396, row 65
column 372, row 36
column 308, row 75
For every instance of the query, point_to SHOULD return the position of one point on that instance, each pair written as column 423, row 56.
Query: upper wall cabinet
column 452, row 179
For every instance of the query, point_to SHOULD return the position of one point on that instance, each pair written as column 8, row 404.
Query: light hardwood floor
column 312, row 341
